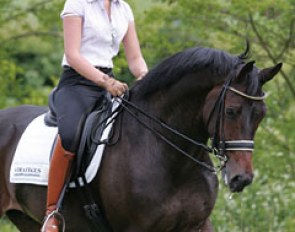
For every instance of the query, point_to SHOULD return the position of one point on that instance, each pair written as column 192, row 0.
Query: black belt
column 103, row 69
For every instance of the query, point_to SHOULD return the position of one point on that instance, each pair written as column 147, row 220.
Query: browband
column 259, row 98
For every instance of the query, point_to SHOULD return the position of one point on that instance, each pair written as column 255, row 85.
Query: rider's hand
column 115, row 87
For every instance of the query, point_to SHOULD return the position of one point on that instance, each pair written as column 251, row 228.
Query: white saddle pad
column 30, row 164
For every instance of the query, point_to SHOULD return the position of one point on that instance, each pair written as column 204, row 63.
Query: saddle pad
column 30, row 164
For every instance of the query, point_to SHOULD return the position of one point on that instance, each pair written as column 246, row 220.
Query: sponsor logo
column 27, row 171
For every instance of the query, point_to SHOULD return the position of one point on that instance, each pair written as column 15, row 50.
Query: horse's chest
column 192, row 207
column 183, row 214
column 191, row 204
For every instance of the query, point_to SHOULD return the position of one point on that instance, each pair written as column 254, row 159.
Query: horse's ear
column 246, row 68
column 267, row 74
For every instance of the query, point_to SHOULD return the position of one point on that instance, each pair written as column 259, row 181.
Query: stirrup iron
column 58, row 216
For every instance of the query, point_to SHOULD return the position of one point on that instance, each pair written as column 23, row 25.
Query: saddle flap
column 91, row 135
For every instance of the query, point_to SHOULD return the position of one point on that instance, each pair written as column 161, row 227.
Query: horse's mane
column 219, row 63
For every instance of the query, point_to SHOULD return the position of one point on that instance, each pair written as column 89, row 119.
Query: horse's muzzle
column 239, row 182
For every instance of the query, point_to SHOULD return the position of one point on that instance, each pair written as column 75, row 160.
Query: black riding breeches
column 75, row 98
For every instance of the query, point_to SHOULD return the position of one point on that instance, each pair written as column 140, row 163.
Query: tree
column 30, row 32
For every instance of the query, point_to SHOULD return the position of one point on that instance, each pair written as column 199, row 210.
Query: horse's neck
column 180, row 109
column 180, row 106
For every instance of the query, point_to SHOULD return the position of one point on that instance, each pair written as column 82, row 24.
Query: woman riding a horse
column 93, row 31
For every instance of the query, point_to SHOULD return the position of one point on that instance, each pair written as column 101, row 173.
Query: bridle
column 241, row 145
column 218, row 146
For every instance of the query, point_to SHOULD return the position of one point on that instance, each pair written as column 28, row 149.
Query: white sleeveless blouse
column 101, row 37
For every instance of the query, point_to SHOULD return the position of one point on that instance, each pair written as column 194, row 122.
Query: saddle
column 91, row 134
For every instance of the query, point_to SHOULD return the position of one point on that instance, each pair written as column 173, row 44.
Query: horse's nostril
column 239, row 182
column 237, row 178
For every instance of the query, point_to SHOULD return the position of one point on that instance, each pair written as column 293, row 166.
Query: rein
column 219, row 145
column 125, row 103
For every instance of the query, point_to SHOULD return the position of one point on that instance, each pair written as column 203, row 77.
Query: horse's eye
column 231, row 112
column 257, row 113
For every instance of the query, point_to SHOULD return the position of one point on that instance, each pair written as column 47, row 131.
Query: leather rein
column 219, row 145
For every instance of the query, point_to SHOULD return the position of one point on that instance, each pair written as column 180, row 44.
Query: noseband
column 238, row 145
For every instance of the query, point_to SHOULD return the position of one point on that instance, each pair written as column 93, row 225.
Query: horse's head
column 233, row 111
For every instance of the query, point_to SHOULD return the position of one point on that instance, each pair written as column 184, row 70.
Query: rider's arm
column 136, row 62
column 72, row 43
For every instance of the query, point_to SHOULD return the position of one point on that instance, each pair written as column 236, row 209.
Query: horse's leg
column 22, row 221
column 33, row 199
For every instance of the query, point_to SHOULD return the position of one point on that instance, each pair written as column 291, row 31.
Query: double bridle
column 240, row 145
column 219, row 145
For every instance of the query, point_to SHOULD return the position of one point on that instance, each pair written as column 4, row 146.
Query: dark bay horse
column 157, row 179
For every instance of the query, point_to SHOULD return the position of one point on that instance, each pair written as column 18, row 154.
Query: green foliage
column 30, row 56
column 6, row 226
column 31, row 51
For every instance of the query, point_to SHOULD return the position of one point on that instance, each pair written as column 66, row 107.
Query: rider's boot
column 58, row 174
